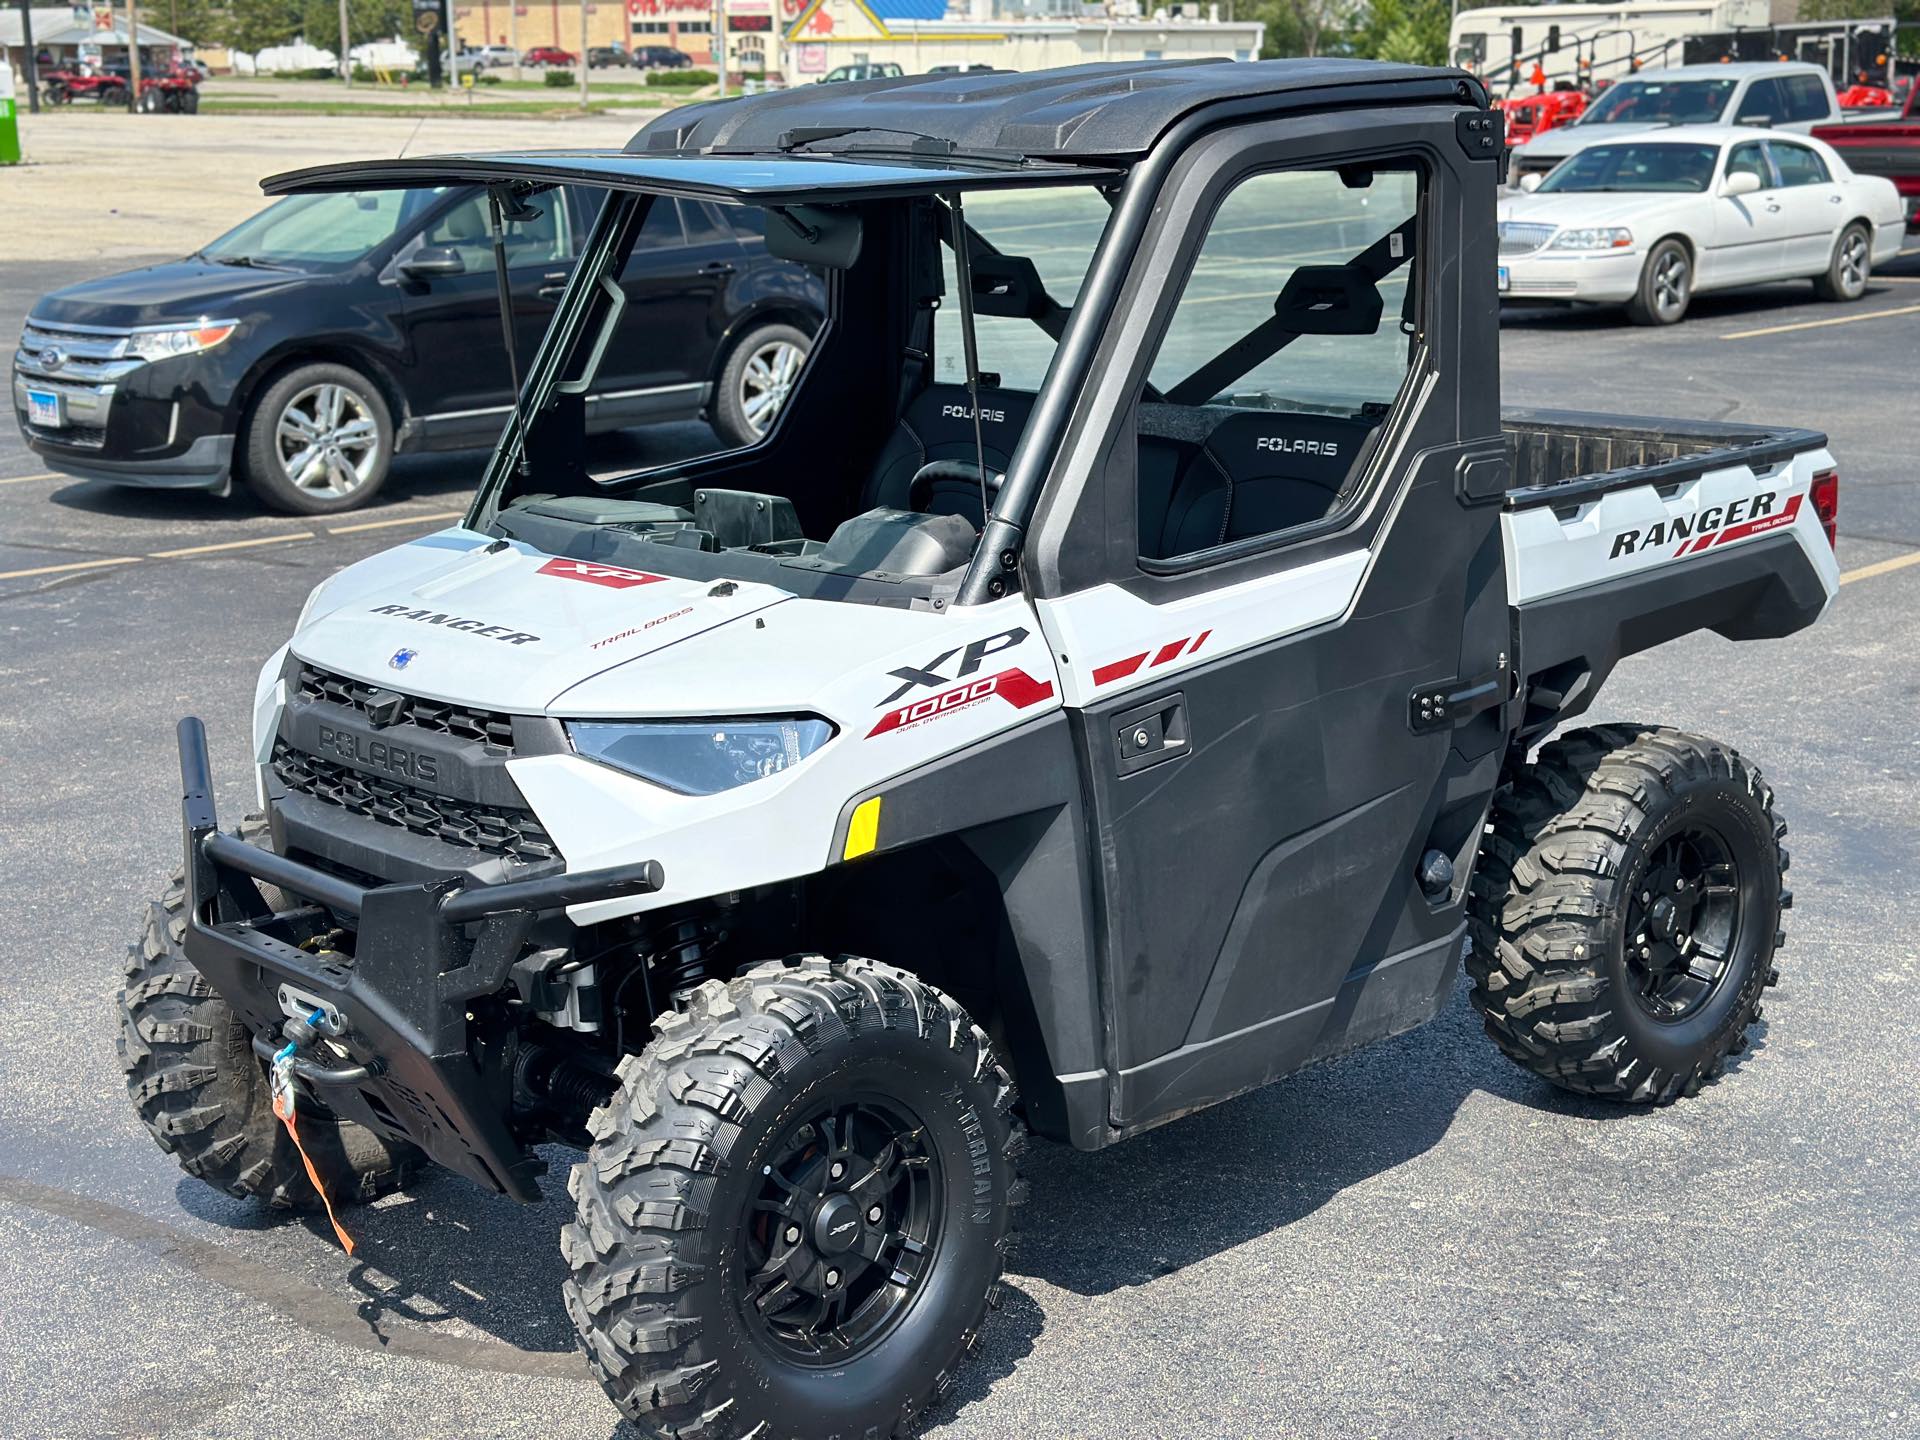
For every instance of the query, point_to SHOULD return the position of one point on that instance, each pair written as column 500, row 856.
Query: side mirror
column 1740, row 182
column 432, row 260
column 1530, row 182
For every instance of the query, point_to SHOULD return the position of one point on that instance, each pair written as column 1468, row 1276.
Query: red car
column 549, row 55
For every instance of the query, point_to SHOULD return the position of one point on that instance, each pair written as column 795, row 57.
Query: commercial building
column 797, row 41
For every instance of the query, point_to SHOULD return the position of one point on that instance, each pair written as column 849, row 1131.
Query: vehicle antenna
column 502, row 205
column 963, row 278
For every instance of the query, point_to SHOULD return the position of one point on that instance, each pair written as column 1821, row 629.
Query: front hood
column 1596, row 208
column 181, row 290
column 1569, row 138
column 499, row 625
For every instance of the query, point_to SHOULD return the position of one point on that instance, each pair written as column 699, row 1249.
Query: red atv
column 173, row 91
column 1530, row 115
column 84, row 82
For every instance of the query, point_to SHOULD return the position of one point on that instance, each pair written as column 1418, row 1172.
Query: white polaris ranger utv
column 1133, row 641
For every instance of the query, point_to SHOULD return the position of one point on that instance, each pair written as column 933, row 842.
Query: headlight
column 164, row 344
column 1602, row 237
column 701, row 757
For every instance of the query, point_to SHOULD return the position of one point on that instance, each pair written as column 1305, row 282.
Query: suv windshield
column 1661, row 102
column 321, row 232
column 1683, row 168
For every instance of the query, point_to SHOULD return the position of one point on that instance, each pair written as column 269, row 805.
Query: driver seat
column 938, row 425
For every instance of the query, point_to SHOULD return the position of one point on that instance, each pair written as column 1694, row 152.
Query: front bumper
column 405, row 1061
column 1601, row 277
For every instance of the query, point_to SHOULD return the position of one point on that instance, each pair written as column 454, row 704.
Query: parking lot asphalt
column 1417, row 1240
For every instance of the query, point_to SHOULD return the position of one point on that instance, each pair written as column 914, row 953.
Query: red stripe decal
column 1119, row 669
column 1198, row 641
column 1764, row 523
column 1167, row 652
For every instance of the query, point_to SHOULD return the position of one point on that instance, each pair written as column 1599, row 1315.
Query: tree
column 1411, row 31
column 1905, row 12
column 1300, row 27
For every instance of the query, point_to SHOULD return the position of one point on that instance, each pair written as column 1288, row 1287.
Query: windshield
column 1680, row 168
column 1661, row 102
column 847, row 457
column 321, row 232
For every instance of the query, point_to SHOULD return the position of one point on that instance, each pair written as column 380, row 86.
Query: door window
column 1294, row 334
column 1763, row 101
column 465, row 230
column 1798, row 164
column 1806, row 97
column 1750, row 158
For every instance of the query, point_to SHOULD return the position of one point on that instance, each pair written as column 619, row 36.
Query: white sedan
column 1650, row 220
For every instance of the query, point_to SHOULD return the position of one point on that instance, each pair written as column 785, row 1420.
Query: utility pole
column 133, row 56
column 513, row 36
column 346, row 57
column 453, row 50
column 32, row 65
column 720, row 43
column 583, row 54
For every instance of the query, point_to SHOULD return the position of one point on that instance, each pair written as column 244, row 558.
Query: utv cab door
column 1277, row 595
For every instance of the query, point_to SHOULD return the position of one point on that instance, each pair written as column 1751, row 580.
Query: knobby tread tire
column 642, row 1250
column 1548, row 903
column 200, row 1090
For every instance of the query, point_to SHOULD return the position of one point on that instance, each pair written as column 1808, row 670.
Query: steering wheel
column 962, row 476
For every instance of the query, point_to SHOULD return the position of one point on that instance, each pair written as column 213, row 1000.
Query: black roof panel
column 1080, row 112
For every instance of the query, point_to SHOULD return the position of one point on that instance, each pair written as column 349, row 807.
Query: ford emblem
column 402, row 658
column 53, row 357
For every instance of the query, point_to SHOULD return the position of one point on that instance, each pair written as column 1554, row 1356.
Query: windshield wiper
column 250, row 262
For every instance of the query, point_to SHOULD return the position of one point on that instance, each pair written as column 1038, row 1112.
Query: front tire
column 1850, row 268
column 1666, row 286
column 319, row 440
column 756, row 381
column 796, row 1208
column 1626, row 910
column 202, row 1093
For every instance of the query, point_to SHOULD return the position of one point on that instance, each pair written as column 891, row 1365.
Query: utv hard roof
column 918, row 134
column 767, row 180
column 1084, row 113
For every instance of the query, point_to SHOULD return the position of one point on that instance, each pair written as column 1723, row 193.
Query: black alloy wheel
column 844, row 1232
column 1683, row 922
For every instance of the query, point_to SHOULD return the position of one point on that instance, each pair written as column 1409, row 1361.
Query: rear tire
column 760, row 373
column 202, row 1093
column 727, row 1281
column 1850, row 268
column 319, row 440
column 1584, row 974
column 1666, row 286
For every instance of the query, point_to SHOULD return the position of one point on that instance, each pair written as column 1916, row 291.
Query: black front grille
column 512, row 833
column 489, row 727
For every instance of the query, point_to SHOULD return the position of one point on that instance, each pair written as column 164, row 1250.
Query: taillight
column 1825, row 494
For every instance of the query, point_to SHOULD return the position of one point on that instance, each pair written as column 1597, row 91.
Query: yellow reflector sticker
column 863, row 831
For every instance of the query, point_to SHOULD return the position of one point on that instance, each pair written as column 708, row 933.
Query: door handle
column 1151, row 733
column 553, row 285
column 1833, row 199
column 1773, row 206
column 717, row 267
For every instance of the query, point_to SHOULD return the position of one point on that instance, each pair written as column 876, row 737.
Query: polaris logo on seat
column 1739, row 519
column 1287, row 445
column 965, row 412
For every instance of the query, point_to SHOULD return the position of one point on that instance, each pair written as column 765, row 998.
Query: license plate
column 1502, row 280
column 44, row 408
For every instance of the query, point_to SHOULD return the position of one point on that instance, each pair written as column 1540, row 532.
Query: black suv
column 660, row 57
column 305, row 348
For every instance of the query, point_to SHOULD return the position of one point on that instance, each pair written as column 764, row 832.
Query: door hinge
column 1447, row 703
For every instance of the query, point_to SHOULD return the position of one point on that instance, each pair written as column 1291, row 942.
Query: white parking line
column 1883, row 567
column 29, row 479
column 1821, row 324
column 223, row 546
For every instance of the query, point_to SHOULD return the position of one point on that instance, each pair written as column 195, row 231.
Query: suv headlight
column 701, row 757
column 1600, row 237
column 165, row 344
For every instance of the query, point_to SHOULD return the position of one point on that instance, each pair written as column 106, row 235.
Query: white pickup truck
column 1779, row 95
